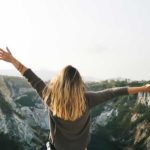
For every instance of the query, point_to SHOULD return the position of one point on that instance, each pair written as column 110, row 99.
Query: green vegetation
column 144, row 111
column 140, row 108
column 7, row 143
column 7, row 109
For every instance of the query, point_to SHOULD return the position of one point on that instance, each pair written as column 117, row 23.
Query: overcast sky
column 102, row 38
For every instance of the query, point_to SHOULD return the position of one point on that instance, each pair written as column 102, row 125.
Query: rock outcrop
column 22, row 114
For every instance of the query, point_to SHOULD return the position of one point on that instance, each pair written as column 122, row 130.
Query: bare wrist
column 13, row 60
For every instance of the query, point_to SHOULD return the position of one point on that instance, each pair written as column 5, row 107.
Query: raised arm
column 96, row 98
column 99, row 97
column 33, row 79
column 8, row 57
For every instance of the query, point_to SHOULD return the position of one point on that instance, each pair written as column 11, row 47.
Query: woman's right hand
column 147, row 87
column 6, row 55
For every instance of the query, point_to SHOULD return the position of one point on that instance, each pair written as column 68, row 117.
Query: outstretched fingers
column 1, row 53
column 8, row 50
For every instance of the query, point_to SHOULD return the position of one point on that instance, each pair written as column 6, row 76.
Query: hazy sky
column 102, row 38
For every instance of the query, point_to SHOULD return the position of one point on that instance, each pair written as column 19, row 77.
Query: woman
column 69, row 103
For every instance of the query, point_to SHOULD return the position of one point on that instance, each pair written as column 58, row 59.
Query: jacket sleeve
column 96, row 98
column 35, row 81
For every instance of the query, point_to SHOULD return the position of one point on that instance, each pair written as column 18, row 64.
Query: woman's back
column 72, row 135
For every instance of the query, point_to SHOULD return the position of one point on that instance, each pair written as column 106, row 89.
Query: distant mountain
column 43, row 74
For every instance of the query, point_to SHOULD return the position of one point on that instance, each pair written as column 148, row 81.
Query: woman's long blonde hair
column 67, row 94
